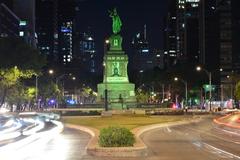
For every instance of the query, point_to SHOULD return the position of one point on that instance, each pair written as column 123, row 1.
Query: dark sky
column 134, row 14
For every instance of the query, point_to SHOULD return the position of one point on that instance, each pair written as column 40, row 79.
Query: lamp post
column 105, row 75
column 58, row 79
column 186, row 87
column 36, row 88
column 198, row 68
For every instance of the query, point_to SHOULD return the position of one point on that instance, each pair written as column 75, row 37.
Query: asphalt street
column 195, row 141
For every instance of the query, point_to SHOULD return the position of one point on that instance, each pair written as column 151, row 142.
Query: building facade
column 87, row 52
column 25, row 10
column 47, row 28
column 170, row 36
column 66, row 42
column 142, row 54
column 9, row 22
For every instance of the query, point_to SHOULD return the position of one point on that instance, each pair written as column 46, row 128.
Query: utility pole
column 163, row 92
column 36, row 91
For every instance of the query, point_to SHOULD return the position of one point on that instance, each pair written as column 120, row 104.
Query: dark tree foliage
column 15, row 52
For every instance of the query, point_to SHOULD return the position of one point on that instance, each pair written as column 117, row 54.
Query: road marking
column 168, row 129
column 222, row 152
column 210, row 134
column 214, row 150
column 198, row 144
column 237, row 134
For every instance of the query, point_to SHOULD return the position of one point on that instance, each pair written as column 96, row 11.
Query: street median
column 138, row 150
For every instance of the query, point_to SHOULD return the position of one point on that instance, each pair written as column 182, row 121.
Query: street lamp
column 186, row 87
column 198, row 68
column 36, row 88
column 106, row 43
column 50, row 71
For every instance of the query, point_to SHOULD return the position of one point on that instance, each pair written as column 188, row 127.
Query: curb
column 138, row 150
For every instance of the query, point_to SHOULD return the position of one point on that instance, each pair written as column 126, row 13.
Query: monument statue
column 116, row 87
column 116, row 21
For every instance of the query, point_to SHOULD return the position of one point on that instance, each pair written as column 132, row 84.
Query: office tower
column 143, row 57
column 25, row 10
column 47, row 29
column 9, row 22
column 66, row 42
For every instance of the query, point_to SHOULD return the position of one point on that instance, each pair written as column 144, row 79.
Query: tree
column 9, row 78
column 142, row 96
column 15, row 52
column 237, row 91
column 18, row 61
column 48, row 90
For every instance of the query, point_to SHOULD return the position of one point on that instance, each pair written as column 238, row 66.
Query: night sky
column 134, row 14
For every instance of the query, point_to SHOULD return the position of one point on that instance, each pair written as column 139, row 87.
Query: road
column 69, row 145
column 195, row 141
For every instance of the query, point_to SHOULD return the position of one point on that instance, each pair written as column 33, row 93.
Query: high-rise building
column 170, row 37
column 86, row 52
column 143, row 57
column 66, row 42
column 9, row 22
column 182, row 32
column 207, row 32
column 236, row 35
column 209, row 35
column 192, row 31
column 188, row 30
column 229, row 42
column 47, row 28
column 25, row 10
column 160, row 59
column 66, row 15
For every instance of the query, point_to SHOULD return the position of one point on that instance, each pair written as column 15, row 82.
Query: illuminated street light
column 198, row 68
column 50, row 71
column 186, row 87
column 107, row 41
column 74, row 78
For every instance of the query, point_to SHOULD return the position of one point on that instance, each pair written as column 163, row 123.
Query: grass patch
column 127, row 121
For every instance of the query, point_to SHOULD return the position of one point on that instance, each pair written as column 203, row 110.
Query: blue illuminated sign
column 65, row 30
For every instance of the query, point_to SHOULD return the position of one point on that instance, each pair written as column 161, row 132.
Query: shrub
column 81, row 113
column 116, row 137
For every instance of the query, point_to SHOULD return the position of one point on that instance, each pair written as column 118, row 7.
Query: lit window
column 22, row 23
column 21, row 33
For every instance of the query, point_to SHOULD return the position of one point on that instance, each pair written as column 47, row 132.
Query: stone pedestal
column 106, row 114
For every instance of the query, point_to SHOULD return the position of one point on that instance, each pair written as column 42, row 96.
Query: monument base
column 117, row 92
column 106, row 114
